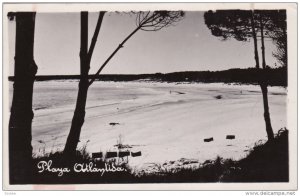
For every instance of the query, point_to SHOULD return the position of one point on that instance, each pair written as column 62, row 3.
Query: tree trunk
column 79, row 113
column 20, row 149
column 264, row 90
column 264, row 87
column 262, row 44
column 255, row 41
column 285, row 47
column 78, row 120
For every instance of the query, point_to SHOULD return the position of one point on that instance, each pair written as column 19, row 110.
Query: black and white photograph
column 150, row 94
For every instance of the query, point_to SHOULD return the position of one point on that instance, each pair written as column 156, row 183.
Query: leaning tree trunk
column 264, row 90
column 85, row 60
column 78, row 119
column 264, row 86
column 79, row 113
column 20, row 149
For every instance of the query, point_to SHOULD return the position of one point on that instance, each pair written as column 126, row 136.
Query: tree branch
column 157, row 20
column 113, row 54
column 96, row 33
column 84, row 67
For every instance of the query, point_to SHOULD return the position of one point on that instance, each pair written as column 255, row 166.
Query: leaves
column 236, row 24
column 156, row 20
column 229, row 24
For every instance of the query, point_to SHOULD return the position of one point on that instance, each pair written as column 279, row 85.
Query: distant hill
column 275, row 77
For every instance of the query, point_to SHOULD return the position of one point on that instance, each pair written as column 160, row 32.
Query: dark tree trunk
column 285, row 47
column 255, row 41
column 262, row 43
column 264, row 90
column 264, row 87
column 79, row 113
column 263, row 84
column 20, row 149
column 85, row 59
column 78, row 119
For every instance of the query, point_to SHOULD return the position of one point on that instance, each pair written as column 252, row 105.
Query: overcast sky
column 187, row 46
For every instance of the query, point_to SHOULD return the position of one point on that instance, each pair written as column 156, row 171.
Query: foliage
column 266, row 162
column 237, row 24
column 154, row 21
column 229, row 23
column 277, row 31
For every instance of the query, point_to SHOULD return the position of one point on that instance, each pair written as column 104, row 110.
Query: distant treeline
column 275, row 77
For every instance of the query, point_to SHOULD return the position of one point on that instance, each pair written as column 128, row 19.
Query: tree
column 272, row 24
column 146, row 21
column 276, row 26
column 237, row 24
column 85, row 60
column 20, row 123
column 262, row 82
column 243, row 25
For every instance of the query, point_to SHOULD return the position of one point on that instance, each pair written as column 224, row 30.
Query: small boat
column 230, row 137
column 111, row 154
column 97, row 155
column 136, row 154
column 124, row 153
column 209, row 139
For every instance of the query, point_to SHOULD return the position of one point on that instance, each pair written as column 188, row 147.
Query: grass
column 267, row 162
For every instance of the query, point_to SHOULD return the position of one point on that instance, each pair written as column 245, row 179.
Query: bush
column 267, row 162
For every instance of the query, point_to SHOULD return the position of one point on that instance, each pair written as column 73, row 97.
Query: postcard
column 150, row 96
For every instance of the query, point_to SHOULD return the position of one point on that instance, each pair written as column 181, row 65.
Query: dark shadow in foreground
column 267, row 162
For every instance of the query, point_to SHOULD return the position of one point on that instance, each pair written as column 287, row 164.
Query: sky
column 186, row 46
